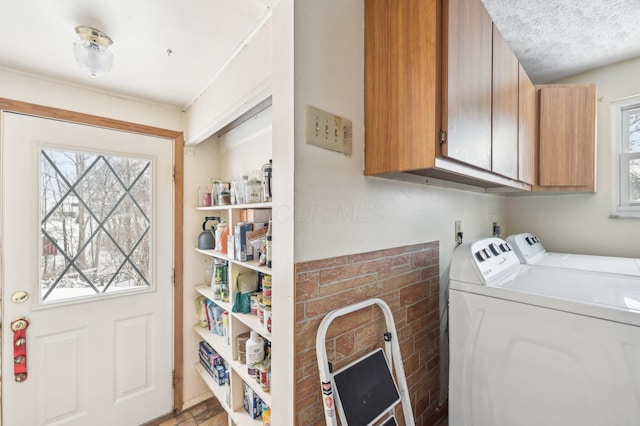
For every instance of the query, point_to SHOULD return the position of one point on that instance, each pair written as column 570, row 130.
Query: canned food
column 242, row 348
column 254, row 304
column 225, row 292
column 220, row 272
column 265, row 375
column 267, row 302
column 217, row 291
column 267, row 320
column 266, row 281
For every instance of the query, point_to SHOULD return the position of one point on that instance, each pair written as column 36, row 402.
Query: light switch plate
column 328, row 131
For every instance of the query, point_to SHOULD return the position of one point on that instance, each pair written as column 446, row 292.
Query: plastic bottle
column 244, row 179
column 215, row 184
column 224, row 241
column 255, row 354
column 269, row 245
column 222, row 231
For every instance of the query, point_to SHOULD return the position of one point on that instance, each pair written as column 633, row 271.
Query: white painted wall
column 201, row 162
column 37, row 90
column 338, row 210
column 581, row 223
column 247, row 147
column 245, row 81
column 283, row 372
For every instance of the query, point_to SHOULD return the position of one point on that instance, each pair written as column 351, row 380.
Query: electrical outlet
column 457, row 231
column 328, row 131
column 496, row 230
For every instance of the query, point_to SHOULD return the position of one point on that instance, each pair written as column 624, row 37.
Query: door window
column 95, row 220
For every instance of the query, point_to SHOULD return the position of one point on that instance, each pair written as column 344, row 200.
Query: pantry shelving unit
column 231, row 398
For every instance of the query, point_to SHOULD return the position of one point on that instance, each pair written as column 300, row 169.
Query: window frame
column 48, row 298
column 622, row 206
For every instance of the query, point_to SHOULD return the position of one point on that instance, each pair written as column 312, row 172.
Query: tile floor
column 207, row 413
column 443, row 422
column 210, row 413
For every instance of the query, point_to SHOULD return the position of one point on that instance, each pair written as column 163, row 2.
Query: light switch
column 328, row 131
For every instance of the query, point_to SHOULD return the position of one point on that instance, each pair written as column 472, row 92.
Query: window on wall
column 625, row 125
column 95, row 224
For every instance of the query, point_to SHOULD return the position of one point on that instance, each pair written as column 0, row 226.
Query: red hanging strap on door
column 19, row 327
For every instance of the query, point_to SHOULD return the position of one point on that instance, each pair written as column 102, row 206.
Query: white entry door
column 87, row 237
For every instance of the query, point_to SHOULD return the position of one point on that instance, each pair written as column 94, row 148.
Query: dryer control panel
column 527, row 247
column 481, row 261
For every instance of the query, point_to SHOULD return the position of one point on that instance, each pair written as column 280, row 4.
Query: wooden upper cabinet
column 428, row 67
column 505, row 108
column 567, row 137
column 467, row 105
column 527, row 129
column 402, row 99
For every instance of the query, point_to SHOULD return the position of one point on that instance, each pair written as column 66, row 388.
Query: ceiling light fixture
column 92, row 51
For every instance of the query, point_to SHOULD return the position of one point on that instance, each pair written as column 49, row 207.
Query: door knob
column 20, row 296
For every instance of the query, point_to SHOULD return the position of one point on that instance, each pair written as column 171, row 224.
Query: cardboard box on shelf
column 243, row 251
column 255, row 215
column 251, row 401
column 220, row 374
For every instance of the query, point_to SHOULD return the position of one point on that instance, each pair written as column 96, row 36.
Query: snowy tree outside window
column 632, row 125
column 626, row 156
column 95, row 219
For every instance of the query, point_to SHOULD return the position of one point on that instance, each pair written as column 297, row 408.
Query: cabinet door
column 567, row 135
column 527, row 129
column 468, row 100
column 401, row 91
column 504, row 151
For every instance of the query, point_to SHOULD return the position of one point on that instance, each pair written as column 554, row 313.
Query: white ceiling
column 37, row 37
column 551, row 38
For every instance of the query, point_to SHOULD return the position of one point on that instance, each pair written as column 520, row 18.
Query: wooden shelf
column 206, row 291
column 241, row 370
column 218, row 391
column 238, row 323
column 225, row 351
column 250, row 264
column 239, row 417
column 216, row 342
column 253, row 322
column 236, row 206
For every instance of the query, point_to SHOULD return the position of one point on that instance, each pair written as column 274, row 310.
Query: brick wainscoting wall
column 407, row 278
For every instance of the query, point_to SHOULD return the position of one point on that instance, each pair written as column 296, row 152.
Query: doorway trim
column 178, row 225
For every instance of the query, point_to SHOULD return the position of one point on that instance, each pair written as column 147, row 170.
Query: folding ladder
column 365, row 391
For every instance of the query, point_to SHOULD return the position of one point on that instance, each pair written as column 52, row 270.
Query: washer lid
column 595, row 294
column 530, row 250
column 605, row 264
column 616, row 291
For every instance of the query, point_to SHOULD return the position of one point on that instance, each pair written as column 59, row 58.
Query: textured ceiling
column 559, row 38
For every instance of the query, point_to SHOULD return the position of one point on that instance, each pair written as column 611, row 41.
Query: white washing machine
column 540, row 346
column 530, row 250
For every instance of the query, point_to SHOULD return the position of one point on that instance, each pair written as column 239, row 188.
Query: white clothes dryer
column 540, row 346
column 530, row 250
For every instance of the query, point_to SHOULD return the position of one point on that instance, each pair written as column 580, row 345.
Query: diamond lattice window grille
column 95, row 224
